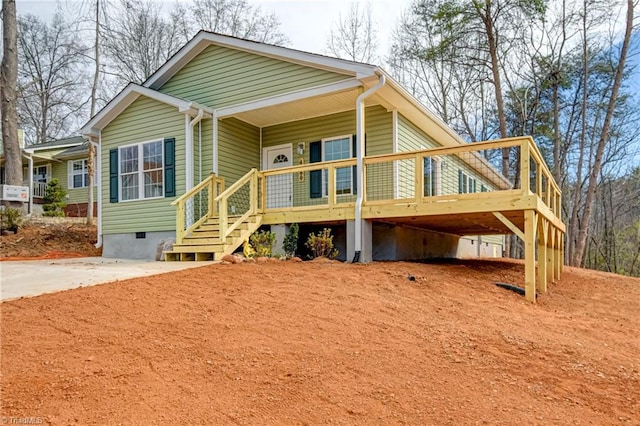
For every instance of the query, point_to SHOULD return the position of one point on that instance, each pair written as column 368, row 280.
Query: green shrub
column 263, row 242
column 290, row 243
column 321, row 245
column 54, row 199
column 11, row 218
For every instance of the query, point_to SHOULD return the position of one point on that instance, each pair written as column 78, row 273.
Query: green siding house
column 62, row 159
column 224, row 106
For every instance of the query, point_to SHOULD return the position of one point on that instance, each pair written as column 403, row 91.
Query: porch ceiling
column 304, row 108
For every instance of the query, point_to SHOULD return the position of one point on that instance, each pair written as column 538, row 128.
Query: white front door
column 279, row 187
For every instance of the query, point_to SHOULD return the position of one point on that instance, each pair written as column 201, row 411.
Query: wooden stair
column 203, row 243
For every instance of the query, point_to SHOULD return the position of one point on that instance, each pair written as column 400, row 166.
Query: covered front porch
column 454, row 190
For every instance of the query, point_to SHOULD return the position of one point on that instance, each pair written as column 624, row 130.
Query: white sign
column 15, row 193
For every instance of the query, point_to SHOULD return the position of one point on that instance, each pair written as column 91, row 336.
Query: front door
column 279, row 187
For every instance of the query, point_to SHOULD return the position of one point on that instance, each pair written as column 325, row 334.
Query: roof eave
column 126, row 97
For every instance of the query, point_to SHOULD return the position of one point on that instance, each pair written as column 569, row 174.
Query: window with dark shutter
column 169, row 167
column 315, row 176
column 113, row 175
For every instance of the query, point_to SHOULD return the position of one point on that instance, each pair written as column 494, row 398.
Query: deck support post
column 530, row 223
column 559, row 253
column 543, row 274
column 551, row 253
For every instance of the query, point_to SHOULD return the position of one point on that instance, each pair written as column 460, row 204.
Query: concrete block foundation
column 134, row 245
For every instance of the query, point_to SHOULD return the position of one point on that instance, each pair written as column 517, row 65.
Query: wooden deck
column 463, row 195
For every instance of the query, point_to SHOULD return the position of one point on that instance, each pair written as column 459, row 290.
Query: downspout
column 98, row 167
column 29, row 158
column 360, row 151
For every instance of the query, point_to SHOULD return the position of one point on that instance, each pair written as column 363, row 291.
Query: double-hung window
column 466, row 184
column 141, row 171
column 78, row 174
column 338, row 149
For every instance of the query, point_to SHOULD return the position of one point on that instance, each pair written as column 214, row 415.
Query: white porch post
column 30, row 162
column 215, row 143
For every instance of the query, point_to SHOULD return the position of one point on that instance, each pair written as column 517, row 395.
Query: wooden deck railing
column 413, row 177
column 237, row 203
column 197, row 205
column 435, row 175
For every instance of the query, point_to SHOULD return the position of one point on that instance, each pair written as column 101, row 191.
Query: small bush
column 54, row 202
column 11, row 218
column 263, row 242
column 321, row 245
column 290, row 243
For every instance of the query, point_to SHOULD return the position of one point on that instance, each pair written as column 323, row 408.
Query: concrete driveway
column 35, row 277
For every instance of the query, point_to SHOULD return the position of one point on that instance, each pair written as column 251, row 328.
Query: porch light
column 300, row 149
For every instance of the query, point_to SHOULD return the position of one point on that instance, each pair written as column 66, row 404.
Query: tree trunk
column 8, row 82
column 602, row 142
column 94, row 89
column 487, row 16
column 577, row 194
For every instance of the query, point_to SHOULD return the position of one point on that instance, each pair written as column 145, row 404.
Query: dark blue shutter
column 113, row 175
column 170, row 167
column 315, row 176
column 460, row 181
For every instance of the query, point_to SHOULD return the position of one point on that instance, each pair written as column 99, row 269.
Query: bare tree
column 50, row 83
column 354, row 36
column 137, row 40
column 237, row 18
column 603, row 140
column 8, row 80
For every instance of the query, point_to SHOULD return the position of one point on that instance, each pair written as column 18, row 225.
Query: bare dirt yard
column 48, row 241
column 327, row 343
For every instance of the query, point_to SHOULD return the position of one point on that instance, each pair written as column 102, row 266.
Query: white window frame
column 469, row 183
column 140, row 172
column 47, row 178
column 85, row 170
column 325, row 177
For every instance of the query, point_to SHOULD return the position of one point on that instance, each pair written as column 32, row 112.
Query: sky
column 307, row 23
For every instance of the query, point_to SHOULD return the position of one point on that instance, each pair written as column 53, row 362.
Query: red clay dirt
column 327, row 343
column 49, row 241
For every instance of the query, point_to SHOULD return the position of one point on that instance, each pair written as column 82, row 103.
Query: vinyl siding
column 410, row 138
column 238, row 149
column 144, row 120
column 221, row 76
column 77, row 195
column 202, row 161
column 378, row 130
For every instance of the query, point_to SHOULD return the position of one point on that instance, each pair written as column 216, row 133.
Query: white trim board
column 127, row 96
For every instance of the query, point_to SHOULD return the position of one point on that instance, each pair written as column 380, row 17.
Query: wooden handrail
column 236, row 185
column 195, row 189
column 209, row 185
column 226, row 229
